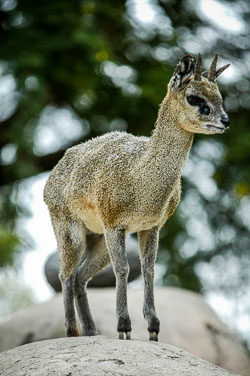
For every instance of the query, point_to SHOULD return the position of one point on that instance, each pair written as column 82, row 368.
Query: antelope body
column 118, row 183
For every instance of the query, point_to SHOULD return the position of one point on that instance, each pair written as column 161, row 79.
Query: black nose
column 225, row 120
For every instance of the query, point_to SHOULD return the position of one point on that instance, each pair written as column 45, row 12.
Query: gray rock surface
column 90, row 356
column 186, row 322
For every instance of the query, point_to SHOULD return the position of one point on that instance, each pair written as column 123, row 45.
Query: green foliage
column 8, row 246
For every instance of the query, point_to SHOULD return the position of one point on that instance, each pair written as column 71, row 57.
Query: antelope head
column 200, row 106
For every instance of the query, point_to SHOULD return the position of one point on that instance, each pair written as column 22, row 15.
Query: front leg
column 148, row 241
column 115, row 241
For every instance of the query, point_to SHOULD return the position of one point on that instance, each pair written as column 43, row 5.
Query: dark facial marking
column 204, row 109
column 194, row 100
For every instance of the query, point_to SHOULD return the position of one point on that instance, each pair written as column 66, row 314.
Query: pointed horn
column 219, row 71
column 198, row 68
column 212, row 69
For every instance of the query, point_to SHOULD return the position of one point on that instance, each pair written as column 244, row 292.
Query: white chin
column 212, row 129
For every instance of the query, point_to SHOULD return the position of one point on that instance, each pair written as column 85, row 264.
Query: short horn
column 219, row 71
column 198, row 68
column 212, row 69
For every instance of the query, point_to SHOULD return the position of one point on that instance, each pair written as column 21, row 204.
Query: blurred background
column 73, row 70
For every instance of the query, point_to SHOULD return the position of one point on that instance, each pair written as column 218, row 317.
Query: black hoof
column 154, row 325
column 128, row 335
column 153, row 336
column 124, row 327
column 90, row 333
column 121, row 335
column 89, row 329
column 72, row 332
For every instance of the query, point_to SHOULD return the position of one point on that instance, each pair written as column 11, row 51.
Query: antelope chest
column 153, row 215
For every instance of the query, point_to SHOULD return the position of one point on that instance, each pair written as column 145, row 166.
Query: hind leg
column 94, row 259
column 70, row 235
column 69, row 310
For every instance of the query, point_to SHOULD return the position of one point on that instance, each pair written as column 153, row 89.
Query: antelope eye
column 193, row 100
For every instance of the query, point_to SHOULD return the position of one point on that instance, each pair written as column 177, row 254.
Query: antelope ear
column 183, row 71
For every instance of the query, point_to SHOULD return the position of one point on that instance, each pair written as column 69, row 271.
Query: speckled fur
column 118, row 183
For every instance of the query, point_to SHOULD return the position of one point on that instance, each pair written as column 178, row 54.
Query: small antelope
column 118, row 183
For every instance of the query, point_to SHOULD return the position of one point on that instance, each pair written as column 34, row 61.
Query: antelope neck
column 170, row 143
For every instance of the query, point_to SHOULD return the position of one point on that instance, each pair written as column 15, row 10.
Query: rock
column 103, row 356
column 51, row 271
column 186, row 321
column 105, row 278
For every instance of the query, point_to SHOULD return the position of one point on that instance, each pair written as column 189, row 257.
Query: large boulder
column 103, row 356
column 186, row 321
